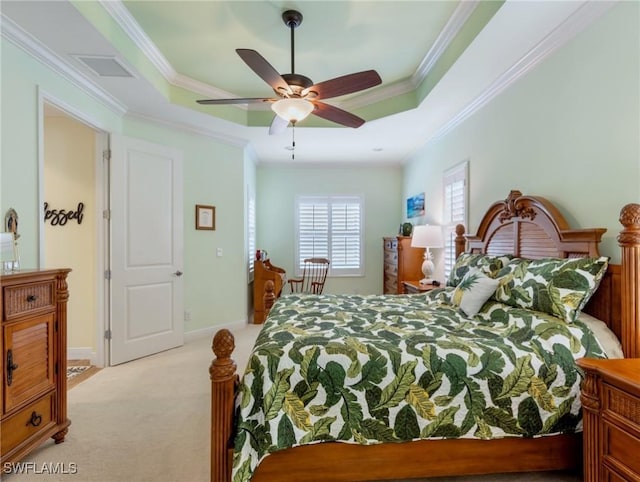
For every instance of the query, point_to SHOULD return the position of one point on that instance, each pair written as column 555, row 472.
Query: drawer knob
column 31, row 298
column 35, row 419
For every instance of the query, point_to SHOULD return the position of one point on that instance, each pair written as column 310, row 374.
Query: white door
column 146, row 249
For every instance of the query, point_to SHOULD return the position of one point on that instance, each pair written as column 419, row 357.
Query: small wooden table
column 611, row 416
column 413, row 287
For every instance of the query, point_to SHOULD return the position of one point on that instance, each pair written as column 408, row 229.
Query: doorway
column 71, row 227
column 114, row 310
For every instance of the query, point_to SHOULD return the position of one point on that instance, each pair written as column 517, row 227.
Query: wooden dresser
column 34, row 361
column 611, row 411
column 401, row 263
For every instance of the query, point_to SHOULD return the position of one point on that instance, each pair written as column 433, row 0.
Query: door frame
column 101, row 206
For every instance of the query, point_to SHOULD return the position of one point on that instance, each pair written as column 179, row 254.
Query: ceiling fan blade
column 337, row 115
column 278, row 125
column 248, row 100
column 264, row 69
column 346, row 84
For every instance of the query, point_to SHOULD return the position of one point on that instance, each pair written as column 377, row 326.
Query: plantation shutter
column 330, row 227
column 455, row 210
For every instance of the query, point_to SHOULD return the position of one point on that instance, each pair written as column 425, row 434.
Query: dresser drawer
column 623, row 406
column 391, row 244
column 27, row 423
column 28, row 298
column 391, row 258
column 621, row 449
column 609, row 475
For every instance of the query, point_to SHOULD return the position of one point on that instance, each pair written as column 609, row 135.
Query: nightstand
column 611, row 419
column 413, row 287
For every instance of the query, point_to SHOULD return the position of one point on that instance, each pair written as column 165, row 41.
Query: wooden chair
column 313, row 277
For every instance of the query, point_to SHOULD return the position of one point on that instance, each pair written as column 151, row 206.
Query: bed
column 410, row 401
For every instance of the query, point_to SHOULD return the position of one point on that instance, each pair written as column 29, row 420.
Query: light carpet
column 148, row 420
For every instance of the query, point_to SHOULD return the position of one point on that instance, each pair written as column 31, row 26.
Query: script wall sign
column 60, row 217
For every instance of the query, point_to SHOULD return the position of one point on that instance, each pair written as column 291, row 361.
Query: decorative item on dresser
column 34, row 361
column 611, row 407
column 268, row 281
column 401, row 263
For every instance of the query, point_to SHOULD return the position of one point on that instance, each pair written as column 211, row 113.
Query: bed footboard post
column 223, row 387
column 269, row 297
column 629, row 241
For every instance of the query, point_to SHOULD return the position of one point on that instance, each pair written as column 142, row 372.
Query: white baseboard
column 209, row 331
column 82, row 353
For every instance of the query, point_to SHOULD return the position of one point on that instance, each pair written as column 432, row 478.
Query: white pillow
column 473, row 291
column 608, row 340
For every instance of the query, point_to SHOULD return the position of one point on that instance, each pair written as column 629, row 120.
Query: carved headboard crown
column 531, row 227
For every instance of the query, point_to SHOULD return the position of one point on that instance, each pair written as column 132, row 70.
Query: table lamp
column 427, row 237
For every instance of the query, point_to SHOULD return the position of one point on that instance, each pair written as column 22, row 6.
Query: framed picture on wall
column 415, row 206
column 205, row 217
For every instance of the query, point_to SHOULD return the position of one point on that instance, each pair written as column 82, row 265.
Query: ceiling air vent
column 104, row 66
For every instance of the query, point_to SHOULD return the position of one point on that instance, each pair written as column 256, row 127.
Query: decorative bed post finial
column 629, row 241
column 223, row 388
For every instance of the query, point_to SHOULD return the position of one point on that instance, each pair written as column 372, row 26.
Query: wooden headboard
column 531, row 227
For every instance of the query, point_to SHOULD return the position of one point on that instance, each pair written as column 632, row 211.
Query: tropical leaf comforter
column 372, row 369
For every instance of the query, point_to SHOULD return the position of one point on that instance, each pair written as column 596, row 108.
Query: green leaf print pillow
column 560, row 287
column 488, row 264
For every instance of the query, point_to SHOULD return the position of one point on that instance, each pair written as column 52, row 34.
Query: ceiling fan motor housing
column 297, row 82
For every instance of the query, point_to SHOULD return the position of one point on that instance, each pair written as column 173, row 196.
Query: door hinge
column 107, row 334
column 106, row 154
column 107, row 274
column 106, row 214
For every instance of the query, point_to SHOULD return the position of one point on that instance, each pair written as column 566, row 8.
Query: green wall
column 215, row 287
column 568, row 131
column 277, row 187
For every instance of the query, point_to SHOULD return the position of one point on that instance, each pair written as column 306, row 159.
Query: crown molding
column 130, row 27
column 191, row 128
column 453, row 26
column 574, row 24
column 35, row 49
column 457, row 20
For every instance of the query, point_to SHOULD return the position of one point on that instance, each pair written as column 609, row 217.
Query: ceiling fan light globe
column 292, row 110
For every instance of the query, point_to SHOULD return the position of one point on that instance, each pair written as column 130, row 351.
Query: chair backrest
column 313, row 276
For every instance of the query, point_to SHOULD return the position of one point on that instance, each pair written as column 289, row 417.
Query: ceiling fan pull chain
column 293, row 141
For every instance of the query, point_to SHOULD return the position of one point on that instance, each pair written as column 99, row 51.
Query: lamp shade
column 427, row 236
column 292, row 109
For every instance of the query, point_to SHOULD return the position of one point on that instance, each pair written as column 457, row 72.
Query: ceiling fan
column 297, row 95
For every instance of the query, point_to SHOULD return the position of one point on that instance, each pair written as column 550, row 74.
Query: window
column 330, row 227
column 455, row 210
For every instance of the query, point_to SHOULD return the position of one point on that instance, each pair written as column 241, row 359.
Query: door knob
column 178, row 273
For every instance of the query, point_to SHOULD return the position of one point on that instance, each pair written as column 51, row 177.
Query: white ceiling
column 189, row 47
